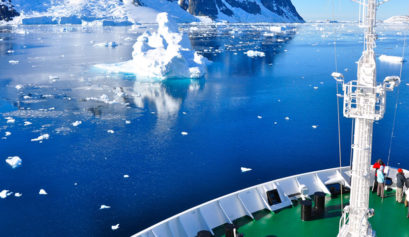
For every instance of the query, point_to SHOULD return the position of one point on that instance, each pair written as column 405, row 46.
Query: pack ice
column 164, row 54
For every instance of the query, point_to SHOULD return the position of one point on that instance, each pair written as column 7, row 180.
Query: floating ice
column 287, row 118
column 244, row 169
column 14, row 62
column 126, row 176
column 275, row 123
column 18, row 194
column 115, row 227
column 166, row 53
column 184, row 133
column 5, row 193
column 397, row 20
column 259, row 117
column 110, row 131
column 7, row 134
column 252, row 54
column 26, row 123
column 127, row 122
column 41, row 137
column 104, row 207
column 314, row 126
column 14, row 161
column 76, row 123
column 18, row 87
column 111, row 44
column 390, row 59
column 10, row 120
column 42, row 192
column 10, row 51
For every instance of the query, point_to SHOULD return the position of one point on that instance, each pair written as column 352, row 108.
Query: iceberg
column 41, row 137
column 244, row 169
column 42, row 192
column 164, row 54
column 253, row 53
column 390, row 59
column 14, row 161
column 5, row 193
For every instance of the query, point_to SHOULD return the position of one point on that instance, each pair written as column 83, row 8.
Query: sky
column 345, row 9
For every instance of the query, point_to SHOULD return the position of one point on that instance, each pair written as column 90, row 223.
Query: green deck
column 389, row 220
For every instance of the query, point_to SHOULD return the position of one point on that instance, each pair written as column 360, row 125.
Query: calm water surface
column 235, row 117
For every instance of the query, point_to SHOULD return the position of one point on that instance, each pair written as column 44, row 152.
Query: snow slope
column 397, row 20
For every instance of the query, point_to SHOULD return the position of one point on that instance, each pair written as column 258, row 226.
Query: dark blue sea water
column 235, row 117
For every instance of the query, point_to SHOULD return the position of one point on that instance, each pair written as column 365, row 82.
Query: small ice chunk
column 7, row 134
column 18, row 87
column 390, row 59
column 14, row 161
column 110, row 131
column 244, row 169
column 127, row 122
column 10, row 51
column 76, row 123
column 184, row 113
column 115, row 227
column 253, row 53
column 275, row 123
column 259, row 116
column 53, row 77
column 41, row 137
column 287, row 118
column 126, row 176
column 42, row 192
column 314, row 126
column 184, row 133
column 18, row 194
column 5, row 193
column 14, row 62
column 10, row 120
column 26, row 123
column 104, row 207
column 315, row 87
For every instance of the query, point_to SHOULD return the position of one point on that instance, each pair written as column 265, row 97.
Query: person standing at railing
column 400, row 181
column 380, row 177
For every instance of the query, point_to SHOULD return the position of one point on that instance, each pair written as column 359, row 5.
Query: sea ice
column 10, row 120
column 104, row 207
column 76, row 123
column 41, row 137
column 111, row 44
column 287, row 118
column 42, row 192
column 18, row 194
column 5, row 193
column 166, row 53
column 110, row 131
column 244, row 169
column 115, row 227
column 14, row 161
column 127, row 122
column 7, row 134
column 315, row 87
column 314, row 126
column 14, row 62
column 18, row 87
column 259, row 117
column 126, row 176
column 184, row 133
column 253, row 53
column 26, row 123
column 390, row 59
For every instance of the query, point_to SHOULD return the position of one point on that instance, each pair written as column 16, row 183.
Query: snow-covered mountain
column 7, row 11
column 145, row 11
column 397, row 20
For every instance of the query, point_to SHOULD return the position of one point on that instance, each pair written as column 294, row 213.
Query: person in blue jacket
column 380, row 177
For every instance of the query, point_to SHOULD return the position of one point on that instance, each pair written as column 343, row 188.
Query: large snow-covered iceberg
column 397, row 20
column 164, row 54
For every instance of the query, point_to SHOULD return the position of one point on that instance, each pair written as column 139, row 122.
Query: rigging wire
column 396, row 104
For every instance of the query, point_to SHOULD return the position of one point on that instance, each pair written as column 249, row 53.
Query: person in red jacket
column 376, row 166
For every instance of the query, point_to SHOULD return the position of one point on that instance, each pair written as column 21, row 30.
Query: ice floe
column 14, row 161
column 19, row 87
column 314, row 126
column 18, row 194
column 42, row 192
column 111, row 44
column 166, row 53
column 110, row 131
column 115, row 227
column 14, row 62
column 259, row 116
column 7, row 134
column 184, row 133
column 244, row 169
column 104, row 207
column 76, row 123
column 253, row 53
column 41, row 137
column 390, row 59
column 287, row 118
column 126, row 176
column 127, row 122
column 5, row 193
column 10, row 120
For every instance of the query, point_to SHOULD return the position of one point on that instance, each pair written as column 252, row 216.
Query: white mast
column 364, row 101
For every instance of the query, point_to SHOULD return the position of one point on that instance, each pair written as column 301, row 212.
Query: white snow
column 164, row 54
column 127, row 122
column 18, row 87
column 18, row 194
column 110, row 131
column 390, row 59
column 314, row 126
column 104, row 207
column 7, row 134
column 42, row 192
column 10, row 120
column 253, row 53
column 126, row 176
column 41, row 137
column 5, row 193
column 315, row 87
column 14, row 161
column 244, row 169
column 184, row 133
column 115, row 227
column 259, row 117
column 26, row 123
column 14, row 62
column 76, row 123
column 287, row 118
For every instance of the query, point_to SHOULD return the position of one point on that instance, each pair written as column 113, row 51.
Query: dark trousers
column 381, row 189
